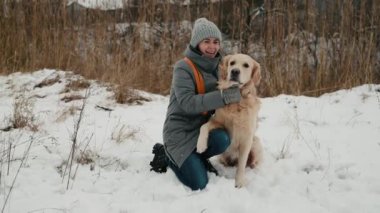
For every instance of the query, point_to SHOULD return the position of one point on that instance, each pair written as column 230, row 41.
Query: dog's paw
column 254, row 164
column 201, row 146
column 240, row 182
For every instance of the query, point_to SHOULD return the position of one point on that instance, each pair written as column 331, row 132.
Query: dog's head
column 240, row 69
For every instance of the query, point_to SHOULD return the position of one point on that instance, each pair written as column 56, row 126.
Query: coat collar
column 209, row 65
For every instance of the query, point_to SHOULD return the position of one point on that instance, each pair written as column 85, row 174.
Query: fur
column 239, row 119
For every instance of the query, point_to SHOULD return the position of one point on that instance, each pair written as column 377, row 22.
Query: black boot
column 210, row 167
column 160, row 160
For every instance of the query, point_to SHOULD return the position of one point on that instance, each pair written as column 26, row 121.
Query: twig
column 9, row 156
column 18, row 171
column 104, row 108
column 74, row 138
column 5, row 151
column 64, row 172
column 299, row 134
column 44, row 209
column 76, row 169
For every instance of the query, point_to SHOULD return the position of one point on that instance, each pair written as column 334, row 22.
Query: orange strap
column 198, row 79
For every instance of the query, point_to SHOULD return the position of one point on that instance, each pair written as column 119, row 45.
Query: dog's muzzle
column 235, row 73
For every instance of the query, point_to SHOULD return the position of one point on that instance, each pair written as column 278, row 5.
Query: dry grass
column 124, row 95
column 23, row 114
column 78, row 84
column 72, row 97
column 122, row 132
column 304, row 47
column 70, row 111
column 48, row 82
column 86, row 157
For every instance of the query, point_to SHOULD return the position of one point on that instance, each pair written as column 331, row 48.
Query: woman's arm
column 189, row 101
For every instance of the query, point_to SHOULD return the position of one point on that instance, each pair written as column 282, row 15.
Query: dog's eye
column 245, row 65
column 232, row 63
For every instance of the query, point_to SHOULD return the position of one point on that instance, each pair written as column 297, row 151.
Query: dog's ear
column 256, row 74
column 223, row 65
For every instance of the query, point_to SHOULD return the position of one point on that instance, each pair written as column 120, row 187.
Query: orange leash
column 198, row 79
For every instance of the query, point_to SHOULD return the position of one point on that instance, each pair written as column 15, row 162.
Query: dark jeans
column 193, row 171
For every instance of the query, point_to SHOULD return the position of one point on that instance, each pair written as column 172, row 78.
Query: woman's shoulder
column 181, row 64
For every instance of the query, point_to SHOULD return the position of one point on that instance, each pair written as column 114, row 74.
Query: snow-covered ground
column 100, row 4
column 320, row 154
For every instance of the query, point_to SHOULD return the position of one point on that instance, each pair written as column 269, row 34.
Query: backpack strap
column 199, row 82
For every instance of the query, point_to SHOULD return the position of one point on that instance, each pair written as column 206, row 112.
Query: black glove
column 231, row 94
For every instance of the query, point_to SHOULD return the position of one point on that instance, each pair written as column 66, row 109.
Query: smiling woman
column 206, row 37
column 209, row 47
column 189, row 110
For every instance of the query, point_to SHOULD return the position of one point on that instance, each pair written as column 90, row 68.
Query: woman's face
column 209, row 47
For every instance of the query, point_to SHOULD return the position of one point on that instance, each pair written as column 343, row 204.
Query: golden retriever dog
column 239, row 119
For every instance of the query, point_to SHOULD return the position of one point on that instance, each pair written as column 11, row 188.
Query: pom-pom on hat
column 203, row 29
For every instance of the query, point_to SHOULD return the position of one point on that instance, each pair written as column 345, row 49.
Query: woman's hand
column 231, row 94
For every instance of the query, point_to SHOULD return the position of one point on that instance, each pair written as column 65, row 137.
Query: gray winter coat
column 184, row 118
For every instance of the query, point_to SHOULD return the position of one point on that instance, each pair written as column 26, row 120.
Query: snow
column 320, row 154
column 100, row 4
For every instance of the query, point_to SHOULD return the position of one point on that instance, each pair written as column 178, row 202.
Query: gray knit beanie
column 203, row 29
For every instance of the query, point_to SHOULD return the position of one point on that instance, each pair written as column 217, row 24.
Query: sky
column 321, row 154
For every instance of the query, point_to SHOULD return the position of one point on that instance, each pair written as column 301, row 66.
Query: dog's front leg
column 244, row 150
column 203, row 134
column 203, row 137
column 256, row 153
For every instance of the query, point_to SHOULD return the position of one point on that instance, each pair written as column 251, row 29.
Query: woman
column 184, row 115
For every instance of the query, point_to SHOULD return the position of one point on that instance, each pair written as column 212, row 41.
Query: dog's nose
column 235, row 72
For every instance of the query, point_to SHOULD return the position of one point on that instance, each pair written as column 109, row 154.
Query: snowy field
column 320, row 154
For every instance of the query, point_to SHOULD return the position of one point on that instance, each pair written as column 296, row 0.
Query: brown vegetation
column 23, row 114
column 305, row 47
column 77, row 84
column 48, row 82
column 72, row 97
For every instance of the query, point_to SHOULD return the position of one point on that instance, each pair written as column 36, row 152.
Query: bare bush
column 86, row 157
column 23, row 114
column 125, row 95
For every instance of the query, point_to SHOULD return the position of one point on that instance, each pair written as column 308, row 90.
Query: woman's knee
column 193, row 173
column 220, row 138
column 199, row 182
